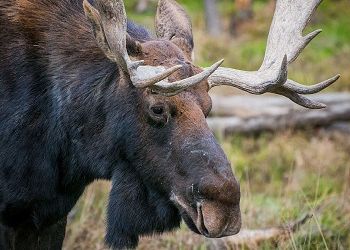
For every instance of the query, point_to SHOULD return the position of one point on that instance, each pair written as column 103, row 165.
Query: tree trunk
column 244, row 13
column 212, row 18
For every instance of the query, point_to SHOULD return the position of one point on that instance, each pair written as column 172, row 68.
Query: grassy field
column 283, row 176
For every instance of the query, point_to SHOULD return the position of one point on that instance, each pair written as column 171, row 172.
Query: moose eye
column 158, row 115
column 157, row 110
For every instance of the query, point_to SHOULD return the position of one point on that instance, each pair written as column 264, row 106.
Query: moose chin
column 87, row 95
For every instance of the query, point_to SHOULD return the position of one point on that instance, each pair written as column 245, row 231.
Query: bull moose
column 86, row 94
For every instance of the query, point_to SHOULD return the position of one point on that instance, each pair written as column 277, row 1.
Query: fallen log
column 254, row 114
column 343, row 127
column 253, row 238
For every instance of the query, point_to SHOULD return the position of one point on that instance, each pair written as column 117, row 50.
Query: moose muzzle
column 210, row 202
column 218, row 211
column 211, row 208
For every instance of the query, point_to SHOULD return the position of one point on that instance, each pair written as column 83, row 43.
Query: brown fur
column 69, row 117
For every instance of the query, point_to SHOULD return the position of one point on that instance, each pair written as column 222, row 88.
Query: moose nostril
column 201, row 222
column 220, row 189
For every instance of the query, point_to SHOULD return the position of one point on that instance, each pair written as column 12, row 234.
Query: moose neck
column 94, row 108
column 82, row 86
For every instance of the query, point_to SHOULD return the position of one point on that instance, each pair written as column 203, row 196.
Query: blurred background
column 291, row 162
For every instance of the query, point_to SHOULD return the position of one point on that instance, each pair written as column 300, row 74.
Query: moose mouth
column 194, row 217
column 198, row 226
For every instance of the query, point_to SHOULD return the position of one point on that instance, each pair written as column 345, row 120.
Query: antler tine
column 285, row 43
column 171, row 89
column 111, row 16
column 285, row 36
column 299, row 99
column 147, row 76
column 307, row 90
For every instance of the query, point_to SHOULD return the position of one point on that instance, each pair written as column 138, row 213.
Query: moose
column 87, row 95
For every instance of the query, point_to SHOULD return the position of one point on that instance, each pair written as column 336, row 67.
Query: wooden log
column 251, row 239
column 254, row 114
column 343, row 127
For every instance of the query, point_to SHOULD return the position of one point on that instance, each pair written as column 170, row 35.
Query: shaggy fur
column 67, row 118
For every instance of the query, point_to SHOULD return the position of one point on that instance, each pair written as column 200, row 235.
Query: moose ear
column 174, row 24
column 132, row 46
column 95, row 20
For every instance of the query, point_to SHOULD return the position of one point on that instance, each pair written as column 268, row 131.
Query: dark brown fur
column 68, row 117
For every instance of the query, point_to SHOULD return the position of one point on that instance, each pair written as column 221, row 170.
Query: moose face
column 189, row 164
column 183, row 161
column 174, row 153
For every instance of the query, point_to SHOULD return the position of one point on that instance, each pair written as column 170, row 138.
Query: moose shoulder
column 87, row 95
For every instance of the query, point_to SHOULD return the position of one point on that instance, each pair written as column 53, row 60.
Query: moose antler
column 109, row 23
column 285, row 43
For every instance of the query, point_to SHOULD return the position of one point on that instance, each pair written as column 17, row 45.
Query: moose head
column 171, row 166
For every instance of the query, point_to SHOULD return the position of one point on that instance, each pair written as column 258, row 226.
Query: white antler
column 285, row 43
